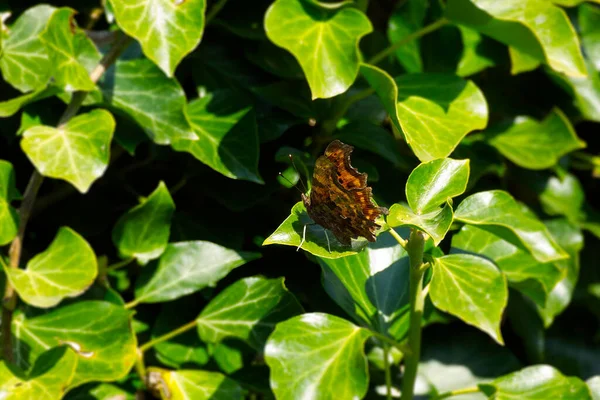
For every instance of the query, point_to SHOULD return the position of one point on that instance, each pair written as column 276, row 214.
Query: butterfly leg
column 303, row 237
column 327, row 237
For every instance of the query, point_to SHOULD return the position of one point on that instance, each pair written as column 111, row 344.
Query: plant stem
column 215, row 10
column 140, row 367
column 9, row 300
column 405, row 350
column 182, row 329
column 120, row 264
column 388, row 372
column 455, row 393
column 414, row 248
column 398, row 238
column 413, row 36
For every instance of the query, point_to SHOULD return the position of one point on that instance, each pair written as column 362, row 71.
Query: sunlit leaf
column 77, row 152
column 143, row 232
column 63, row 270
column 435, row 222
column 167, row 30
column 472, row 288
column 10, row 107
column 588, row 17
column 323, row 38
column 9, row 219
column 194, row 384
column 23, row 61
column 584, row 90
column 99, row 332
column 474, row 58
column 594, row 386
column 186, row 267
column 497, row 211
column 317, row 355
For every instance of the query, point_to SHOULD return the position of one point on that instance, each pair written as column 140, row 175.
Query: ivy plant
column 154, row 160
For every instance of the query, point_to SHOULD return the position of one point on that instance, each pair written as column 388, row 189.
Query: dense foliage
column 150, row 247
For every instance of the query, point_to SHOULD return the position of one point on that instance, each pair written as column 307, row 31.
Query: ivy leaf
column 63, row 270
column 535, row 28
column 498, row 212
column 588, row 17
column 585, row 91
column 23, row 61
column 228, row 139
column 405, row 21
column 471, row 288
column 372, row 286
column 534, row 145
column 474, row 58
column 435, row 223
column 436, row 182
column 323, row 38
column 167, row 30
column 72, row 54
column 316, row 240
column 194, row 384
column 99, row 332
column 48, row 379
column 563, row 195
column 10, row 107
column 433, row 111
column 9, row 219
column 536, row 382
column 249, row 310
column 525, row 273
column 155, row 102
column 594, row 386
column 77, row 152
column 317, row 353
column 143, row 232
column 187, row 267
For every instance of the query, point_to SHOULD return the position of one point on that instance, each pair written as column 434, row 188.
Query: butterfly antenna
column 290, row 182
column 291, row 157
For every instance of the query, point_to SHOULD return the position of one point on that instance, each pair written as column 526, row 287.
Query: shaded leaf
column 404, row 21
column 167, row 30
column 10, row 107
column 249, row 310
column 473, row 59
column 77, row 152
column 471, row 288
column 9, row 219
column 143, row 232
column 498, row 212
column 588, row 17
column 373, row 138
column 534, row 145
column 99, row 332
column 317, row 354
column 65, row 269
column 193, row 384
column 584, row 90
column 187, row 267
column 323, row 38
column 563, row 196
column 227, row 135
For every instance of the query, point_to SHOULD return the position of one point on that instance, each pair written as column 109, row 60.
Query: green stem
column 168, row 335
column 215, row 10
column 398, row 238
column 140, row 367
column 414, row 248
column 119, row 264
column 455, row 393
column 405, row 350
column 388, row 372
column 413, row 36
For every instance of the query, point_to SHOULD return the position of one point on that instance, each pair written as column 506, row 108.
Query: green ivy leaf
column 372, row 286
column 405, row 21
column 471, row 288
column 435, row 223
column 436, row 182
column 72, row 54
column 323, row 38
column 77, row 152
column 535, row 28
column 10, row 107
column 143, row 232
column 585, row 91
column 525, row 273
column 155, row 102
column 317, row 354
column 474, row 59
column 588, row 17
column 65, row 269
column 249, row 310
column 316, row 240
column 194, row 384
column 99, row 332
column 167, row 30
column 23, row 60
column 9, row 219
column 594, row 386
column 563, row 195
column 228, row 139
column 498, row 212
column 433, row 111
column 48, row 379
column 536, row 382
column 535, row 145
column 187, row 267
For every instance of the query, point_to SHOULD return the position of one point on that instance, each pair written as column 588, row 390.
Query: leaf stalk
column 178, row 331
